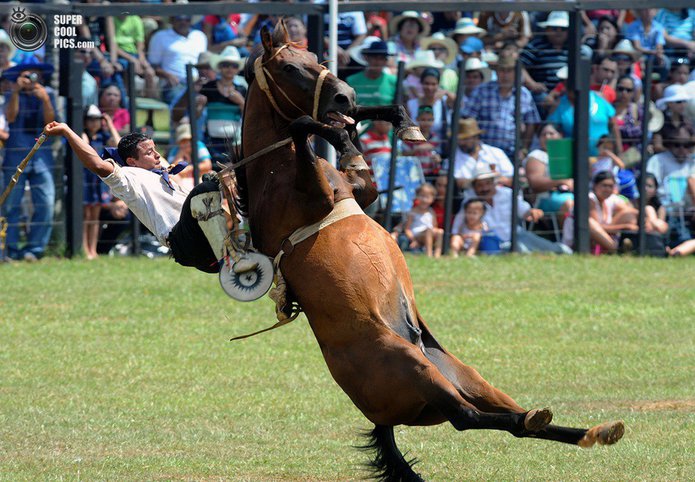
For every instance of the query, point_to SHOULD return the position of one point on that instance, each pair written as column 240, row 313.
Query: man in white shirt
column 192, row 224
column 170, row 50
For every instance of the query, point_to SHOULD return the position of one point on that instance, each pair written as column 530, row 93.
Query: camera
column 28, row 32
column 33, row 76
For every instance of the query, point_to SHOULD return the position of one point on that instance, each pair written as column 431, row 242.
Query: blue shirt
column 23, row 133
column 600, row 113
column 635, row 31
column 675, row 25
column 495, row 114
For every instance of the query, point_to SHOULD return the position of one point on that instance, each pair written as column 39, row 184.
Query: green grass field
column 121, row 369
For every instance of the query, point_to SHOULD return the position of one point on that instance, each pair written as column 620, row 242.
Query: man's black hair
column 128, row 145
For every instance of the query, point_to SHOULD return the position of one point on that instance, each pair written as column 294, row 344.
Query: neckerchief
column 112, row 153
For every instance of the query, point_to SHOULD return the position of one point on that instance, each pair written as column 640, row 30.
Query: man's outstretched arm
column 85, row 153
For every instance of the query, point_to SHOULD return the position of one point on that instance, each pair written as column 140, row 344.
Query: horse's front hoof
column 537, row 419
column 411, row 134
column 605, row 434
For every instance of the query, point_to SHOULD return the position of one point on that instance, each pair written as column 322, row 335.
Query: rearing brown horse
column 350, row 277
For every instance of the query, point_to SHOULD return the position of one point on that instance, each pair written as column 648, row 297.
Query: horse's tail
column 389, row 464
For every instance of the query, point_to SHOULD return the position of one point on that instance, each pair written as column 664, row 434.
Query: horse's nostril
column 342, row 99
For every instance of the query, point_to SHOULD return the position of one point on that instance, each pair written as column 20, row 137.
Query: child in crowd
column 429, row 152
column 421, row 226
column 468, row 228
column 654, row 210
column 182, row 152
column 606, row 160
column 376, row 141
column 99, row 132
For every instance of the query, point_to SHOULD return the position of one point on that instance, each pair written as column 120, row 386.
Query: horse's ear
column 281, row 35
column 266, row 39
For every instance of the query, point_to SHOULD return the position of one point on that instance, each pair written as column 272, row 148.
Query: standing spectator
column 170, row 51
column 407, row 28
column 603, row 72
column 492, row 105
column 505, row 26
column 472, row 153
column 130, row 39
column 111, row 103
column 374, row 86
column 546, row 54
column 28, row 108
column 99, row 132
column 421, row 227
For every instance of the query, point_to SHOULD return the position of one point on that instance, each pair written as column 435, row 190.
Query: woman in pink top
column 110, row 102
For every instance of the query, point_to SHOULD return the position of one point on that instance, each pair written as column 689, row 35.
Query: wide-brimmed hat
column 5, row 39
column 440, row 39
column 484, row 171
column 183, row 131
column 395, row 23
column 468, row 127
column 466, row 26
column 506, row 61
column 656, row 118
column 205, row 59
column 475, row 63
column 424, row 58
column 93, row 112
column 230, row 54
column 673, row 93
column 556, row 19
column 377, row 47
column 12, row 73
column 355, row 52
column 625, row 47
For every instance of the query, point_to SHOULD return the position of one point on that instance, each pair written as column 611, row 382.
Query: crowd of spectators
column 431, row 44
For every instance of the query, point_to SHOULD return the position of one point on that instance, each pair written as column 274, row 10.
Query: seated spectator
column 351, row 32
column 130, row 40
column 628, row 114
column 654, row 209
column 111, row 103
column 423, row 60
column 674, row 104
column 472, row 152
column 545, row 55
column 477, row 73
column 222, row 32
column 434, row 97
column 498, row 213
column 445, row 51
column 407, row 29
column 550, row 194
column 604, row 39
column 604, row 70
column 679, row 26
column 99, row 132
column 505, row 26
column 468, row 228
column 429, row 153
column 647, row 36
column 30, row 104
column 374, row 86
column 465, row 29
column 628, row 64
column 493, row 105
column 90, row 88
column 607, row 160
column 181, row 152
column 296, row 30
column 376, row 141
column 686, row 248
column 170, row 50
column 421, row 227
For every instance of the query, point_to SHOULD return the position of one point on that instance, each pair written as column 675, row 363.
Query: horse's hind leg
column 397, row 115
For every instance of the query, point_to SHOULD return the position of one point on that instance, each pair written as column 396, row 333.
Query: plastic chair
column 156, row 114
column 677, row 186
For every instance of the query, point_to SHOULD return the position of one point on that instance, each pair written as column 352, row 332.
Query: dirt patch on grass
column 663, row 405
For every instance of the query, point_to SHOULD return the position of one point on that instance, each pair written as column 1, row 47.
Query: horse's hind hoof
column 537, row 419
column 411, row 134
column 605, row 434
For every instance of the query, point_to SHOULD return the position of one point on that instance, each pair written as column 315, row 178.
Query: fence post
column 394, row 150
column 646, row 92
column 193, row 120
column 453, row 147
column 132, row 110
column 517, row 148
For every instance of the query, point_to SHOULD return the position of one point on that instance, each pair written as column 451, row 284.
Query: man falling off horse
column 192, row 224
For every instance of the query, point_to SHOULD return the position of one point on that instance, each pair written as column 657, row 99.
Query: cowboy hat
column 466, row 26
column 230, row 54
column 439, row 39
column 395, row 24
column 424, row 58
column 12, row 74
column 475, row 63
column 183, row 131
column 355, row 52
column 5, row 39
column 556, row 19
column 673, row 93
column 625, row 47
column 204, row 59
column 377, row 47
column 483, row 171
column 468, row 127
column 506, row 61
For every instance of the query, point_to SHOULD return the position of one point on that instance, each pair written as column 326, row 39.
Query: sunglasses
column 439, row 49
column 556, row 29
column 682, row 145
column 624, row 89
column 623, row 57
column 229, row 65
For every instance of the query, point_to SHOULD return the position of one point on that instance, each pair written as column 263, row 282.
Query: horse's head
column 296, row 84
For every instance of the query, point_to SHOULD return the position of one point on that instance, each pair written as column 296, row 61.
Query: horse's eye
column 289, row 68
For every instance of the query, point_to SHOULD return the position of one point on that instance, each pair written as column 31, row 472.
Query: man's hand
column 40, row 92
column 533, row 215
column 537, row 87
column 55, row 129
column 23, row 83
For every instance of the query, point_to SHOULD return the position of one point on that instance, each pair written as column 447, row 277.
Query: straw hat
column 625, row 47
column 440, row 39
column 656, row 118
column 466, row 26
column 468, row 127
column 229, row 54
column 424, row 58
column 506, row 61
column 483, row 171
column 205, row 59
column 183, row 131
column 475, row 63
column 556, row 19
column 673, row 93
column 395, row 24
